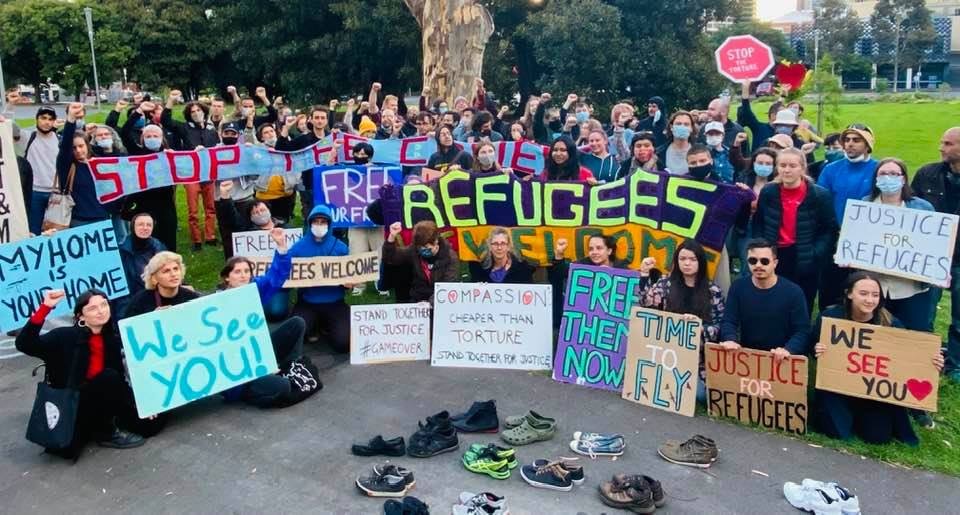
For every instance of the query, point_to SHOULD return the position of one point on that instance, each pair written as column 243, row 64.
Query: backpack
column 304, row 379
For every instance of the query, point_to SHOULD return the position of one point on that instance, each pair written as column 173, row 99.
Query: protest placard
column 880, row 363
column 663, row 361
column 348, row 190
column 13, row 215
column 260, row 244
column 183, row 353
column 326, row 270
column 910, row 243
column 381, row 333
column 74, row 260
column 429, row 174
column 505, row 326
column 592, row 341
column 754, row 388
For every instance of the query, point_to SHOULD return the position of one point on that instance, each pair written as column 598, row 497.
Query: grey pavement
column 216, row 458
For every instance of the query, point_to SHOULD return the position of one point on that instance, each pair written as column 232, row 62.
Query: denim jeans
column 953, row 336
column 38, row 206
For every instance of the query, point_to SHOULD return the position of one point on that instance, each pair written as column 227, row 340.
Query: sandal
column 530, row 431
column 517, row 420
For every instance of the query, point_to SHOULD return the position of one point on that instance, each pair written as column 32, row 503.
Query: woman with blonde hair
column 163, row 280
column 500, row 263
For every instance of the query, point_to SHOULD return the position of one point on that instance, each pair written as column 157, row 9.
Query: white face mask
column 246, row 111
column 859, row 159
column 270, row 142
column 319, row 231
column 714, row 141
column 486, row 160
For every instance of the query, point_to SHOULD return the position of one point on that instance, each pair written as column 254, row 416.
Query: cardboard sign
column 73, row 260
column 592, row 341
column 752, row 387
column 909, row 243
column 663, row 361
column 260, row 244
column 187, row 352
column 327, row 270
column 13, row 214
column 879, row 363
column 743, row 58
column 429, row 174
column 381, row 333
column 350, row 189
column 504, row 326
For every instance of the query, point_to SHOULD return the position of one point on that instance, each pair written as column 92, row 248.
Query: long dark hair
column 906, row 193
column 230, row 265
column 569, row 171
column 699, row 292
column 880, row 314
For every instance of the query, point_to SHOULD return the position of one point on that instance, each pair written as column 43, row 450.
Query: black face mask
column 229, row 140
column 700, row 172
column 485, row 132
column 360, row 160
column 556, row 126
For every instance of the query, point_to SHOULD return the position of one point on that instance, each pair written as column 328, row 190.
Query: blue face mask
column 152, row 143
column 105, row 144
column 889, row 183
column 583, row 116
column 783, row 129
column 81, row 124
column 834, row 154
column 680, row 131
column 426, row 252
column 762, row 170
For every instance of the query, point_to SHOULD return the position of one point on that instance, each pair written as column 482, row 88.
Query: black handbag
column 54, row 416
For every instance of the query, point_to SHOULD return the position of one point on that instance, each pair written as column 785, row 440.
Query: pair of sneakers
column 490, row 459
column 636, row 493
column 408, row 506
column 597, row 444
column 485, row 503
column 387, row 481
column 436, row 436
column 821, row 498
column 561, row 474
column 698, row 451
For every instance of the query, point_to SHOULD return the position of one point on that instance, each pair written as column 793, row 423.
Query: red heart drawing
column 919, row 389
column 791, row 74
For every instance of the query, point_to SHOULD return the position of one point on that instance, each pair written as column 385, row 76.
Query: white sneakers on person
column 821, row 498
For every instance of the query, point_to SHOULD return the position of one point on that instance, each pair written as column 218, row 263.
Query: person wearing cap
column 727, row 160
column 323, row 307
column 848, row 178
column 241, row 193
column 655, row 121
column 42, row 148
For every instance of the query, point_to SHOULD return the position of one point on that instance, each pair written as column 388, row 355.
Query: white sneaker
column 383, row 293
column 819, row 501
column 484, row 503
column 357, row 291
column 836, row 491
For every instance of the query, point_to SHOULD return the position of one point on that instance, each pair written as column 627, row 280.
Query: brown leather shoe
column 633, row 496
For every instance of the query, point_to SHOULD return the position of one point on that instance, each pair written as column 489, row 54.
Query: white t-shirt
column 42, row 156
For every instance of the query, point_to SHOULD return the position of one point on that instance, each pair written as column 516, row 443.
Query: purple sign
column 349, row 189
column 592, row 343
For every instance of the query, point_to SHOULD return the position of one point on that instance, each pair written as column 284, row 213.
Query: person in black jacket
column 318, row 130
column 655, row 121
column 87, row 356
column 74, row 175
column 797, row 215
column 136, row 250
column 500, row 263
column 429, row 257
column 601, row 251
column 448, row 154
column 163, row 283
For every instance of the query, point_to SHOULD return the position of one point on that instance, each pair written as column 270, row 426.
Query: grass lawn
column 908, row 131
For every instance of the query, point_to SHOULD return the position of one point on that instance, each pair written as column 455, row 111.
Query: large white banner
column 260, row 244
column 13, row 213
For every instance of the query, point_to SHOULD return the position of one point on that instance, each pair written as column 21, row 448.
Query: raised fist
column 232, row 90
column 377, row 86
column 226, row 189
column 395, row 228
column 560, row 248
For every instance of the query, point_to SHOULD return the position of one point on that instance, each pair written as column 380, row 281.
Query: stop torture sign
column 744, row 58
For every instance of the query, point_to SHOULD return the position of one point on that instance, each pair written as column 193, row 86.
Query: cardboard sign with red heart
column 791, row 74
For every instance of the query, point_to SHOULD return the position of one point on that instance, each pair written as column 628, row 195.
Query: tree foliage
column 916, row 34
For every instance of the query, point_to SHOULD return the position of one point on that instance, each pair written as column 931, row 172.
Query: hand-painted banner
column 592, row 341
column 327, row 270
column 383, row 333
column 350, row 189
column 73, row 260
column 260, row 244
column 663, row 361
column 880, row 363
column 754, row 387
column 187, row 352
column 503, row 326
column 893, row 240
column 13, row 215
column 686, row 207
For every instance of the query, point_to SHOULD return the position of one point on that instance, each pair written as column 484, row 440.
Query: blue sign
column 183, row 353
column 74, row 260
column 349, row 189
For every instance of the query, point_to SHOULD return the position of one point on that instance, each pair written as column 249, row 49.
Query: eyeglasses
column 763, row 261
column 498, row 244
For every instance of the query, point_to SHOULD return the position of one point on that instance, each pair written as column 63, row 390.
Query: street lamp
column 88, row 12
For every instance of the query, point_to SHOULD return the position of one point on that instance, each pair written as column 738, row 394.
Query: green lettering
column 597, row 205
column 536, row 218
column 550, row 191
column 699, row 210
column 642, row 200
column 482, row 196
column 450, row 202
column 429, row 203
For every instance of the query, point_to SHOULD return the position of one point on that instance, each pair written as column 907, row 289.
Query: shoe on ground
column 486, row 463
column 389, row 482
column 213, row 242
column 836, row 491
column 414, row 506
column 575, row 471
column 503, row 453
column 659, row 498
column 483, row 509
column 480, row 418
column 632, row 496
column 378, row 446
column 699, row 451
column 470, row 500
column 396, row 470
column 439, row 422
column 434, row 443
column 532, row 429
column 819, row 501
column 518, row 420
column 923, row 419
column 197, row 247
column 592, row 437
column 392, row 507
column 120, row 439
column 551, row 476
column 594, row 448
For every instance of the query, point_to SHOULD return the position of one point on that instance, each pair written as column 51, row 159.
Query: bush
column 883, row 86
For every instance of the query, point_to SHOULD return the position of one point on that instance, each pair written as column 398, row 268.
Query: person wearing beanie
column 367, row 128
column 656, row 121
column 136, row 250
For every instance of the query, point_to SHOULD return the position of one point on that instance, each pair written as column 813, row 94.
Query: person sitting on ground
column 88, row 356
column 601, row 251
column 136, row 250
column 286, row 337
column 765, row 311
column 163, row 285
column 500, row 263
column 842, row 416
column 430, row 258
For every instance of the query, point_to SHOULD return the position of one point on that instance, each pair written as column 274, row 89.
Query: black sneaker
column 575, row 471
column 387, row 484
column 379, row 446
column 434, row 443
column 213, row 242
column 439, row 422
column 414, row 506
column 480, row 418
column 395, row 470
column 552, row 476
column 197, row 247
column 122, row 440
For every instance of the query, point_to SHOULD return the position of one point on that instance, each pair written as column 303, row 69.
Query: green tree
column 826, row 87
column 903, row 30
column 838, row 27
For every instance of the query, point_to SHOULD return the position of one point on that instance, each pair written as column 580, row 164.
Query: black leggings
column 331, row 317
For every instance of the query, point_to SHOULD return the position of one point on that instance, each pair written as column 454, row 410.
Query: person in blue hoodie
column 323, row 307
column 846, row 179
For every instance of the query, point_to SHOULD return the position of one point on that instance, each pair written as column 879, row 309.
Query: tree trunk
column 454, row 36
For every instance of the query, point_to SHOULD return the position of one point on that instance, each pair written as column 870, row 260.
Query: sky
column 770, row 9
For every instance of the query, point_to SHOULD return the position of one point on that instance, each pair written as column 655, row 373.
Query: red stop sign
column 744, row 58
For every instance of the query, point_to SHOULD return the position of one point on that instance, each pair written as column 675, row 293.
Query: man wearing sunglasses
column 764, row 311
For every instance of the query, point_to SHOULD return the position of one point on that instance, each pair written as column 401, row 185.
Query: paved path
column 217, row 458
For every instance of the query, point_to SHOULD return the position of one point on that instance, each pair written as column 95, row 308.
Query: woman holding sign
column 601, row 250
column 841, row 416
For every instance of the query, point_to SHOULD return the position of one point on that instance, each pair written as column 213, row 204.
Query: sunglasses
column 763, row 261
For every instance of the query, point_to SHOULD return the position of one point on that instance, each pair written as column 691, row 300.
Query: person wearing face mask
column 760, row 173
column 655, row 121
column 41, row 152
column 485, row 159
column 323, row 307
column 681, row 131
column 796, row 213
column 848, row 178
column 246, row 113
column 700, row 164
column 644, row 155
column 761, row 132
column 483, row 129
column 105, row 142
column 833, row 151
column 73, row 174
column 242, row 192
column 158, row 202
column 466, row 124
column 278, row 191
column 601, row 251
column 429, row 257
column 726, row 160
